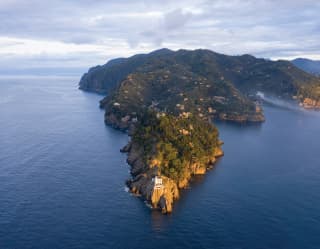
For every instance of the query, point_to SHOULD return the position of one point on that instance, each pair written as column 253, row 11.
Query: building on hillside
column 157, row 180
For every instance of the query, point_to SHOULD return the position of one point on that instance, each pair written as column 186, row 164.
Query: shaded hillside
column 310, row 66
column 105, row 78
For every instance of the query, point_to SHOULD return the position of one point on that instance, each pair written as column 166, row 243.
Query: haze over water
column 62, row 180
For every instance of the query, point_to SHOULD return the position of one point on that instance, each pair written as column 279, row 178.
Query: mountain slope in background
column 310, row 66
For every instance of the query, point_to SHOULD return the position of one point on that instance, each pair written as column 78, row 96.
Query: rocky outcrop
column 198, row 168
column 164, row 197
column 120, row 124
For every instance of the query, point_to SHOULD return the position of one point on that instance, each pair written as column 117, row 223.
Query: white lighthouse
column 157, row 180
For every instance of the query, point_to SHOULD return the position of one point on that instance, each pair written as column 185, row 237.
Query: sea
column 62, row 179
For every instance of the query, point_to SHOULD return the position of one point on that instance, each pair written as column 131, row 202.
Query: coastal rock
column 183, row 183
column 126, row 148
column 134, row 159
column 138, row 167
column 135, row 152
column 164, row 196
column 140, row 185
column 218, row 152
column 120, row 124
column 198, row 168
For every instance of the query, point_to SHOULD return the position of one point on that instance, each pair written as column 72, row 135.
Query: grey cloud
column 166, row 26
column 176, row 19
column 263, row 28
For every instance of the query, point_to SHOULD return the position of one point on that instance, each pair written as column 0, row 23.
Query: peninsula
column 167, row 100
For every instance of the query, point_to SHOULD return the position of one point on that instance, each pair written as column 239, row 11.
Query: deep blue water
column 62, row 180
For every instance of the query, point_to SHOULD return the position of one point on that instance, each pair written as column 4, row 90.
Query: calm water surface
column 62, row 180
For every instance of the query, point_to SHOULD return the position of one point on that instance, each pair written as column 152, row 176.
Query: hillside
column 201, row 81
column 310, row 66
column 103, row 79
column 245, row 72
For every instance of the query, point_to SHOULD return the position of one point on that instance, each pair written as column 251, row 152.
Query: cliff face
column 102, row 79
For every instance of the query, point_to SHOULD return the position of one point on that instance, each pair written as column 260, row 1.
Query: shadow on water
column 159, row 221
column 198, row 180
column 195, row 183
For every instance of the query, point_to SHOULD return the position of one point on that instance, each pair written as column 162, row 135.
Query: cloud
column 84, row 33
column 176, row 19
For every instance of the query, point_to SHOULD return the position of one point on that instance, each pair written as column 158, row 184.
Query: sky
column 73, row 35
